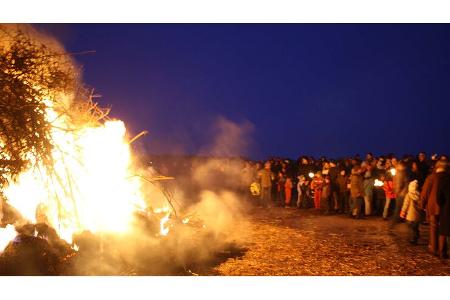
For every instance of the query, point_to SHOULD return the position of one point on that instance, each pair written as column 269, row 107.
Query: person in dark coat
column 423, row 167
column 343, row 192
column 444, row 218
column 429, row 201
column 333, row 173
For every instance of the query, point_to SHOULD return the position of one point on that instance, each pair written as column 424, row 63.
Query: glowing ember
column 164, row 229
column 161, row 210
column 75, row 247
column 7, row 234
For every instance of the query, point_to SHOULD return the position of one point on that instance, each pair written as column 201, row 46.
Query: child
column 411, row 210
column 316, row 185
column 388, row 187
column 288, row 191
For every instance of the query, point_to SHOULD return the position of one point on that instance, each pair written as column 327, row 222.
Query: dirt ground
column 288, row 241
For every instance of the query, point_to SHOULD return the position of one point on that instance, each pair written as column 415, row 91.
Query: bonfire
column 71, row 191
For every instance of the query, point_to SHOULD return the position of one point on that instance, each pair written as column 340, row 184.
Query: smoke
column 207, row 210
column 229, row 139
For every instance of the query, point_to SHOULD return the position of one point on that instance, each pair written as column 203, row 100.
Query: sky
column 316, row 89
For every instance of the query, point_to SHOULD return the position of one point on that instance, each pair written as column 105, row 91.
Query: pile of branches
column 30, row 74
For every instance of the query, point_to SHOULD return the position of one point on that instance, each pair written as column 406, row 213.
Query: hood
column 413, row 186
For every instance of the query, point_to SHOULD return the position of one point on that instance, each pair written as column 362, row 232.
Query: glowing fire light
column 164, row 230
column 7, row 234
column 311, row 174
column 75, row 247
column 393, row 171
column 185, row 220
column 93, row 187
column 378, row 183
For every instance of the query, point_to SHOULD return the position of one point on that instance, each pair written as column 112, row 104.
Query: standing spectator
column 430, row 202
column 388, row 187
column 316, row 185
column 411, row 210
column 400, row 181
column 368, row 185
column 356, row 192
column 281, row 180
column 444, row 218
column 326, row 201
column 343, row 199
column 334, row 188
column 302, row 188
column 288, row 191
column 423, row 167
column 266, row 177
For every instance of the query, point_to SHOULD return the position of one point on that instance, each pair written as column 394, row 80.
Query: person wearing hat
column 411, row 210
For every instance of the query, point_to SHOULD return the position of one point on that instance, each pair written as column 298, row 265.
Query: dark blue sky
column 318, row 89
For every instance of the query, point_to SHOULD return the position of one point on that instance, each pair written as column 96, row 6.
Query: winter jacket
column 444, row 204
column 266, row 178
column 429, row 194
column 401, row 184
column 342, row 183
column 356, row 186
column 388, row 188
column 411, row 204
column 326, row 189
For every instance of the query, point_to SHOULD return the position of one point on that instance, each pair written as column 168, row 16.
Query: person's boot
column 443, row 247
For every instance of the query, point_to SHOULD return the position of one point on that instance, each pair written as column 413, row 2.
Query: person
column 400, row 182
column 334, row 188
column 316, row 185
column 388, row 187
column 343, row 199
column 368, row 182
column 430, row 203
column 444, row 218
column 302, row 188
column 326, row 201
column 266, row 177
column 411, row 210
column 281, row 180
column 356, row 192
column 423, row 166
column 288, row 191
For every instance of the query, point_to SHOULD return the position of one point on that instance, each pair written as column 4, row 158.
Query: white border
column 218, row 11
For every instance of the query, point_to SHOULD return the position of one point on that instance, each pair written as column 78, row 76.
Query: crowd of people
column 413, row 189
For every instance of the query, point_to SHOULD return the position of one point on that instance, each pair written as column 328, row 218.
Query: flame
column 378, row 183
column 164, row 230
column 92, row 188
column 7, row 234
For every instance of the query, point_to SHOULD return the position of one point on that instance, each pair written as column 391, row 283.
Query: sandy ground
column 288, row 241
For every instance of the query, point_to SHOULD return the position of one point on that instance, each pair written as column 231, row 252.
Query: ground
column 288, row 241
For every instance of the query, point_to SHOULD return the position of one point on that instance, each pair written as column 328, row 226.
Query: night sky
column 316, row 89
